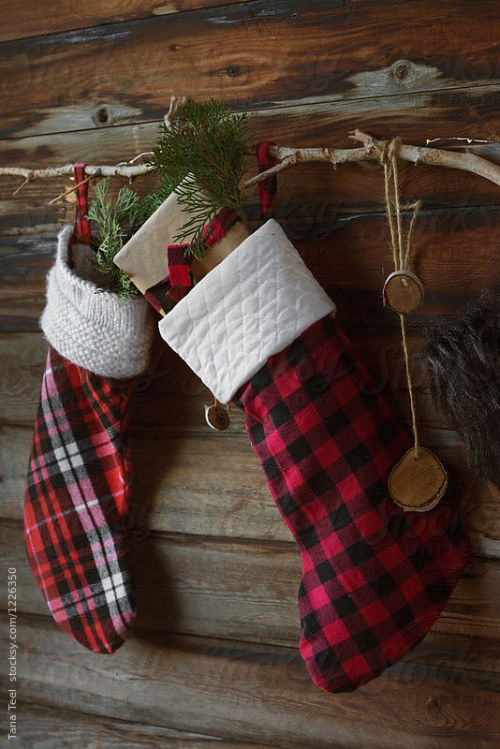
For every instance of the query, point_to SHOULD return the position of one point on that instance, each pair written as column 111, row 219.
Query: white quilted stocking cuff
column 92, row 327
column 251, row 306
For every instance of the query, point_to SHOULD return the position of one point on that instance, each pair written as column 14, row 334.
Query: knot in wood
column 402, row 69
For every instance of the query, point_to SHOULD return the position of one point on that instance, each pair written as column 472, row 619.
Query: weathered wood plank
column 175, row 395
column 51, row 728
column 126, row 72
column 237, row 590
column 31, row 19
column 170, row 395
column 195, row 481
column 209, row 485
column 351, row 189
column 347, row 195
column 442, row 695
column 24, row 263
column 454, row 254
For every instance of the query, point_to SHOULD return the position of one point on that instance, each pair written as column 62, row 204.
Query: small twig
column 175, row 103
column 25, row 182
column 290, row 156
column 69, row 190
column 469, row 141
column 136, row 158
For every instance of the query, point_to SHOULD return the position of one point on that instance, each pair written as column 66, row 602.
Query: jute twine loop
column 388, row 154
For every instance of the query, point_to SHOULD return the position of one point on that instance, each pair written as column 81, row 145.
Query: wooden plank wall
column 213, row 657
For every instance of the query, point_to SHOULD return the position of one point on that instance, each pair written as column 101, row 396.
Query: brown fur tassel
column 463, row 358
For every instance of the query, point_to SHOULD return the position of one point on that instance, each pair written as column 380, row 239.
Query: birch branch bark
column 288, row 157
column 370, row 151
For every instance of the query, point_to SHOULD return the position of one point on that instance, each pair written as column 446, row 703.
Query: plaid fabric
column 269, row 186
column 76, row 503
column 179, row 266
column 164, row 295
column 216, row 229
column 82, row 226
column 374, row 577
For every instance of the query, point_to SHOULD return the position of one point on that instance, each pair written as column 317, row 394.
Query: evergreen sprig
column 204, row 153
column 116, row 222
column 113, row 224
column 202, row 156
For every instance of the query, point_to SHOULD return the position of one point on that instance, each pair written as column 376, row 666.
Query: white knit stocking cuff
column 91, row 327
column 251, row 306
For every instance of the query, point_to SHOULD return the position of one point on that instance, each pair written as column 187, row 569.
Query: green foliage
column 113, row 222
column 117, row 222
column 207, row 144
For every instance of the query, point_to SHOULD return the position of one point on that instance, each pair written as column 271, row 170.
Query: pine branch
column 206, row 142
column 210, row 145
column 116, row 223
column 111, row 223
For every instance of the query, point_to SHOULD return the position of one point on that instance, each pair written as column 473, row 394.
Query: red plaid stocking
column 259, row 328
column 78, row 482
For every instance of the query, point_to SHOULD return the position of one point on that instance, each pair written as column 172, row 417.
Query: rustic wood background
column 213, row 658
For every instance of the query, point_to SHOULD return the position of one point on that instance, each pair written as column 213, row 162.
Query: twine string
column 387, row 173
column 388, row 154
column 410, row 385
column 392, row 156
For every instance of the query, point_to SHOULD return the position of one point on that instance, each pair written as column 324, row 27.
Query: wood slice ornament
column 217, row 416
column 403, row 291
column 418, row 481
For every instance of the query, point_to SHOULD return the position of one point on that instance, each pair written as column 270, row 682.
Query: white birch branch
column 93, row 171
column 468, row 162
column 288, row 157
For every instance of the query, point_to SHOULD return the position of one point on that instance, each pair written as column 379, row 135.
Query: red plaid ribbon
column 216, row 229
column 82, row 226
column 166, row 293
column 268, row 187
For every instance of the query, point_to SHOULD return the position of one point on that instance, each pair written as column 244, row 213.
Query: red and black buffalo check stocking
column 78, row 484
column 260, row 330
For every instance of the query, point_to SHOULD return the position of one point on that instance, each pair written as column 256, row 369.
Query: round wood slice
column 403, row 291
column 417, row 484
column 217, row 417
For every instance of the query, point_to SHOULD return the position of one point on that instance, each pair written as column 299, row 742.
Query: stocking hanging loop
column 82, row 226
column 269, row 186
